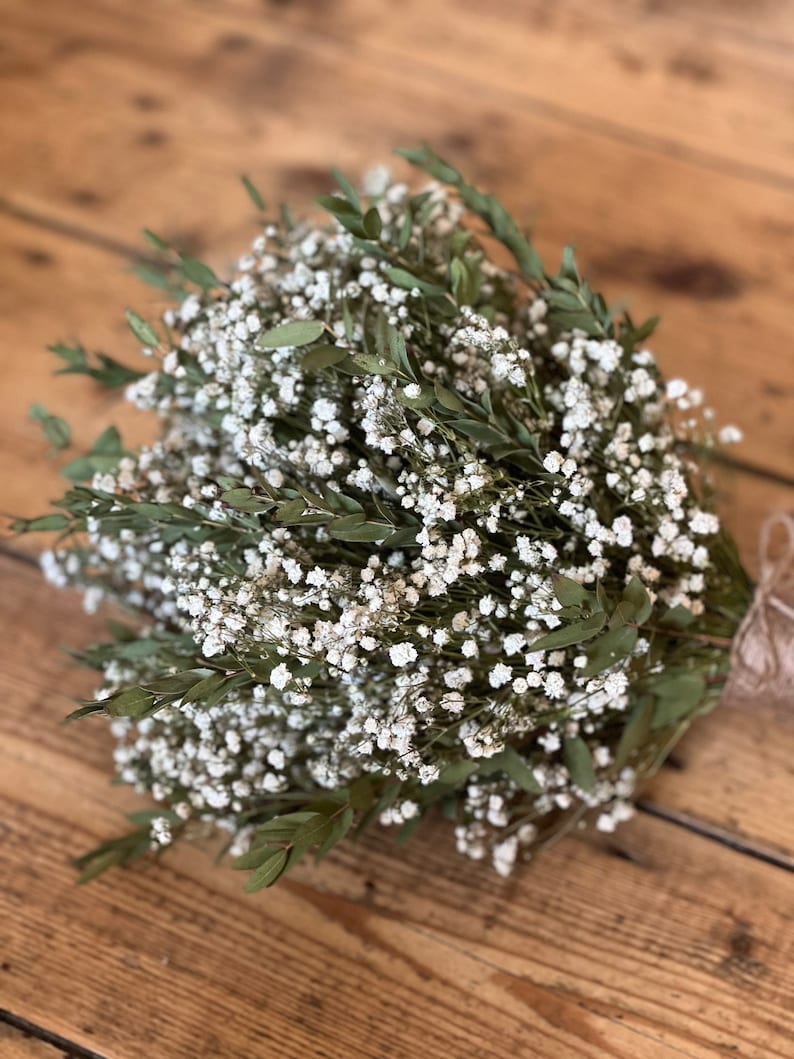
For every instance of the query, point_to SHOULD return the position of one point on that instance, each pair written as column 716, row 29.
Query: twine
column 762, row 655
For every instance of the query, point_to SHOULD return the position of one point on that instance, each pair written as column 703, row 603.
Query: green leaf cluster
column 104, row 370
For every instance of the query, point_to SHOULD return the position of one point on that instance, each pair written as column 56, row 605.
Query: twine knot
column 762, row 655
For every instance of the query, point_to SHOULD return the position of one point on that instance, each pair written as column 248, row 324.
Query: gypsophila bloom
column 415, row 531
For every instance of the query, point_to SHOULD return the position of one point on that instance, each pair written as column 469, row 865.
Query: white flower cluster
column 493, row 451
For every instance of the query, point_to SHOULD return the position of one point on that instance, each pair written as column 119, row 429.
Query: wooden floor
column 655, row 134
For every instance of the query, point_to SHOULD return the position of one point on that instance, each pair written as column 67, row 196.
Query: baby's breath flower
column 403, row 530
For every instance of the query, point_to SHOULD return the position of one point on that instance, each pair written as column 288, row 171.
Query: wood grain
column 654, row 134
column 14, row 1044
column 53, row 288
column 153, row 127
column 636, row 74
column 650, row 944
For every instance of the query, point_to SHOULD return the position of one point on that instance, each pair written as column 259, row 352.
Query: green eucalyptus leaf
column 400, row 277
column 268, row 872
column 579, row 762
column 319, row 357
column 570, row 593
column 42, row 524
column 607, row 650
column 289, row 512
column 636, row 731
column 514, row 766
column 567, row 635
column 448, row 398
column 294, row 333
column 373, row 225
column 197, row 272
column 253, row 194
column 677, row 617
column 602, row 598
column 154, row 240
column 339, row 828
column 108, row 443
column 242, row 499
column 457, row 772
column 409, row 828
column 373, row 364
column 142, row 330
column 636, row 593
column 254, row 858
column 624, row 613
column 280, row 828
column 56, row 430
column 202, row 689
column 134, row 702
column 348, row 190
column 365, row 532
column 401, row 538
column 360, row 794
column 313, row 832
column 478, row 431
column 87, row 710
column 677, row 696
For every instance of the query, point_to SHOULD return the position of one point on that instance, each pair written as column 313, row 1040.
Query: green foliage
column 56, row 430
column 116, row 853
column 487, row 207
column 106, row 371
column 284, row 840
column 43, row 524
column 579, row 762
column 401, row 278
column 198, row 273
column 677, row 694
column 295, row 333
column 103, row 457
column 142, row 330
column 575, row 633
column 253, row 194
column 319, row 357
column 508, row 433
column 514, row 766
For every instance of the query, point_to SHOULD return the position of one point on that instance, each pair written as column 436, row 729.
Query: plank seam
column 778, row 477
column 714, row 833
column 121, row 249
column 30, row 1029
column 20, row 557
column 555, row 112
column 74, row 231
column 592, row 1007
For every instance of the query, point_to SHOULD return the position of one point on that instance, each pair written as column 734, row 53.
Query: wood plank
column 709, row 250
column 380, row 950
column 53, row 287
column 628, row 70
column 769, row 25
column 653, row 942
column 14, row 1044
column 733, row 770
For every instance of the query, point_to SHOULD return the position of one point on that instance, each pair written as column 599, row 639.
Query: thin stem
column 715, row 641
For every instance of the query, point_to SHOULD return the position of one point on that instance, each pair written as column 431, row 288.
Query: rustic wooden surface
column 654, row 133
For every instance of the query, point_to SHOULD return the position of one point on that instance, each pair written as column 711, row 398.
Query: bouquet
column 423, row 530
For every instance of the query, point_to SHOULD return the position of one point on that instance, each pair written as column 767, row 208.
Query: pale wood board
column 646, row 944
column 652, row 133
column 628, row 71
column 53, row 288
column 14, row 1044
column 152, row 127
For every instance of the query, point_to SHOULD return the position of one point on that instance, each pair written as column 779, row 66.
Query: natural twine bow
column 762, row 655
